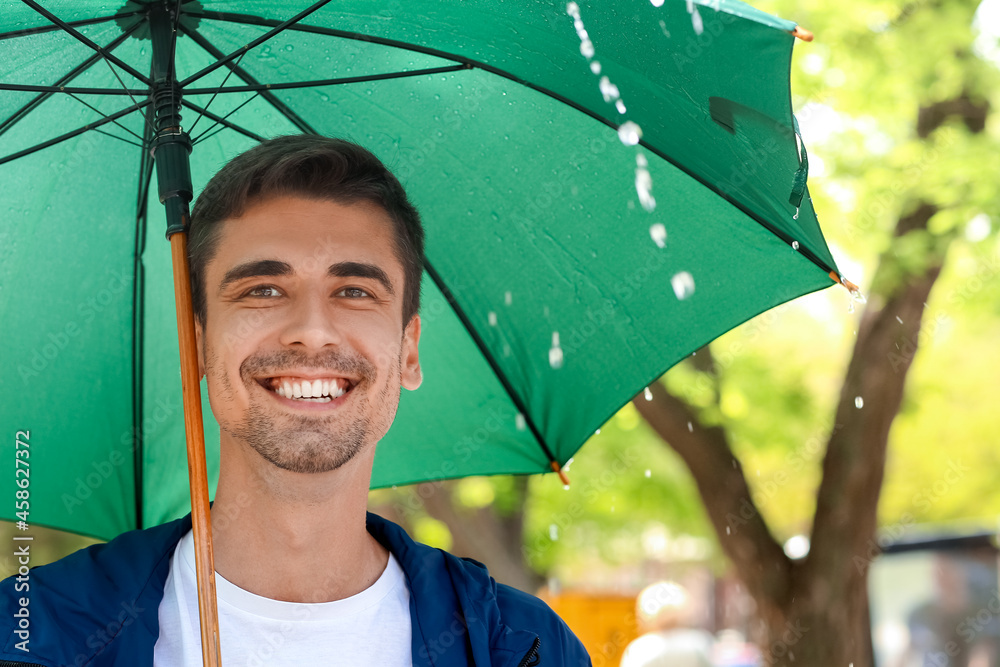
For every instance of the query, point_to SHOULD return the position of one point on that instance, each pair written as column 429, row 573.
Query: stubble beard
column 303, row 444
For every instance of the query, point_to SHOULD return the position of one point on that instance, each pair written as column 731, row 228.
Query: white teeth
column 326, row 388
column 296, row 390
column 318, row 391
column 317, row 388
column 286, row 389
column 280, row 391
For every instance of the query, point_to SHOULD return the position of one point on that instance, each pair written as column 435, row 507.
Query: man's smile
column 308, row 389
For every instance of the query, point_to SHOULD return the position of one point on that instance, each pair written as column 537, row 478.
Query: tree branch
column 743, row 534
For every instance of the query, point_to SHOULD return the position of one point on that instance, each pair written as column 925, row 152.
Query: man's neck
column 296, row 537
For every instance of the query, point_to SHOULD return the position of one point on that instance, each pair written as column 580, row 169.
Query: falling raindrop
column 573, row 9
column 492, row 317
column 657, row 3
column 555, row 353
column 856, row 295
column 859, row 402
column 595, row 67
column 850, row 307
column 648, row 394
column 795, row 245
column 690, row 427
column 608, row 89
column 545, row 311
column 507, row 298
column 620, row 106
column 506, row 350
column 728, row 530
column 587, row 48
column 898, row 319
column 663, row 27
column 658, row 233
column 796, row 216
column 520, row 422
column 643, row 182
column 630, row 133
column 597, row 432
column 649, row 473
column 553, row 532
column 696, row 22
column 683, row 285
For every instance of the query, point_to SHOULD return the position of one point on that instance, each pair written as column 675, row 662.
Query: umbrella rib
column 109, row 57
column 484, row 350
column 332, row 32
column 216, row 93
column 75, row 24
column 66, row 78
column 235, row 68
column 103, row 115
column 69, row 135
column 222, row 121
column 254, row 43
column 259, row 87
column 195, row 140
column 115, row 136
column 29, row 88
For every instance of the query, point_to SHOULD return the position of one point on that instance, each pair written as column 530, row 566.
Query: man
column 306, row 259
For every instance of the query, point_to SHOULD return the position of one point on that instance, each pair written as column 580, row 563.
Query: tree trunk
column 816, row 610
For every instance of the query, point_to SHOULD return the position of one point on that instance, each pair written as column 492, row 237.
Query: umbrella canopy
column 551, row 294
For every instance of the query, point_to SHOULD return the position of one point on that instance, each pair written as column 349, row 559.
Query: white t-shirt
column 370, row 628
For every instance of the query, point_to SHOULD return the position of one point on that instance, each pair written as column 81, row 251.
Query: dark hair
column 315, row 167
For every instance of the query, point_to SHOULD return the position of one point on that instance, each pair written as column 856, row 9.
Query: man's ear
column 410, row 374
column 199, row 336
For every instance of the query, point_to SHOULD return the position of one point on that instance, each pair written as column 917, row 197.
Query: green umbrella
column 533, row 138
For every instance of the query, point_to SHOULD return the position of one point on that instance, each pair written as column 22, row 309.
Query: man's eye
column 263, row 291
column 355, row 292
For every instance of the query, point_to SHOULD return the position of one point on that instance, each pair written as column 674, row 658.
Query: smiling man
column 306, row 258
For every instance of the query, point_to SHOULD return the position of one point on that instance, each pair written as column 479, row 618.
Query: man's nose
column 311, row 323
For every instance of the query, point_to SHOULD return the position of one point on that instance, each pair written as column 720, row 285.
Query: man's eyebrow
column 361, row 270
column 254, row 269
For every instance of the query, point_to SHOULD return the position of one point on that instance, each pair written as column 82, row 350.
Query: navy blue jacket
column 99, row 607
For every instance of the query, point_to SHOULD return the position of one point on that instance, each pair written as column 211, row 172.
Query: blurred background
column 897, row 105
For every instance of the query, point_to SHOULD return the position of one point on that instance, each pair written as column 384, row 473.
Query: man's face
column 304, row 345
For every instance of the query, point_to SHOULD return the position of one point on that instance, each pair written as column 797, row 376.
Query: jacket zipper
column 529, row 660
column 8, row 663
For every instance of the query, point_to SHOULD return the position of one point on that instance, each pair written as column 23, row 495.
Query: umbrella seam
column 481, row 345
column 27, row 32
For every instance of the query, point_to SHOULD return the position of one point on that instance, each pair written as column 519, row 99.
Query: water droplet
column 620, row 106
column 683, row 285
column 506, row 350
column 728, row 530
column 595, row 67
column 649, row 473
column 520, row 422
column 898, row 319
column 657, row 3
column 573, row 9
column 859, row 402
column 658, row 233
column 507, row 298
column 696, row 22
column 850, row 307
column 630, row 133
column 555, row 353
column 545, row 311
column 795, row 245
column 587, row 48
column 690, row 427
column 608, row 89
column 553, row 532
column 856, row 295
column 492, row 317
column 289, row 47
column 640, row 160
column 643, row 187
column 647, row 394
column 663, row 27
column 565, row 487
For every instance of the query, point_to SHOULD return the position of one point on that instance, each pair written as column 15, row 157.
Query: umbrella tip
column 556, row 468
column 851, row 287
column 803, row 34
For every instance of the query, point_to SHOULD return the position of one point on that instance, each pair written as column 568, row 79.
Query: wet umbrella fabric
column 546, row 303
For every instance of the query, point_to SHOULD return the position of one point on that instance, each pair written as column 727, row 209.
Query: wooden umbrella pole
column 201, row 520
